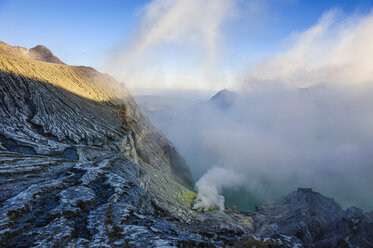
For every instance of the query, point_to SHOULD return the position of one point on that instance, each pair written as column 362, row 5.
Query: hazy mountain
column 82, row 166
column 163, row 108
column 224, row 99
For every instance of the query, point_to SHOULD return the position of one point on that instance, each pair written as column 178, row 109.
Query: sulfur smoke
column 210, row 187
column 303, row 119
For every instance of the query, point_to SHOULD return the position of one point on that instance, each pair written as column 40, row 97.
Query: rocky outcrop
column 40, row 53
column 308, row 219
column 55, row 202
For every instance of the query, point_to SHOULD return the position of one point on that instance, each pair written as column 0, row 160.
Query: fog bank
column 278, row 140
column 303, row 117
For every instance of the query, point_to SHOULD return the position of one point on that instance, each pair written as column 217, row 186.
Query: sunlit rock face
column 65, row 105
column 40, row 53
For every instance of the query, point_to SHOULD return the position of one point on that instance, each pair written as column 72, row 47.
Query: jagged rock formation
column 54, row 202
column 81, row 166
column 310, row 219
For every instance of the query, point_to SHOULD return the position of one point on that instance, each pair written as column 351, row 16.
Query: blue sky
column 77, row 31
column 89, row 32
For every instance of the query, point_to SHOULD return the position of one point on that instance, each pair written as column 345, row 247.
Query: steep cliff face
column 82, row 106
column 56, row 118
column 98, row 109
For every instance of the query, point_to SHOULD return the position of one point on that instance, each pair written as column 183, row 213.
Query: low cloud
column 278, row 140
column 303, row 119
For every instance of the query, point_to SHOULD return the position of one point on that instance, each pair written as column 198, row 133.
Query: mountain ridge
column 39, row 53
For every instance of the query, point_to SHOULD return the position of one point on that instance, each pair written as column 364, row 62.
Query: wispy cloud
column 167, row 24
column 337, row 49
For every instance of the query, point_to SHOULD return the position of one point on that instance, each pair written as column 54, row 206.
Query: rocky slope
column 55, row 117
column 309, row 219
column 81, row 166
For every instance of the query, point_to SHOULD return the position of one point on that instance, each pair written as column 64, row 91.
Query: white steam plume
column 166, row 24
column 209, row 188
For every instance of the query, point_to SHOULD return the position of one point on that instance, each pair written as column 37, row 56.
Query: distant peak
column 224, row 92
column 305, row 190
column 224, row 98
column 39, row 52
column 43, row 53
column 41, row 48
